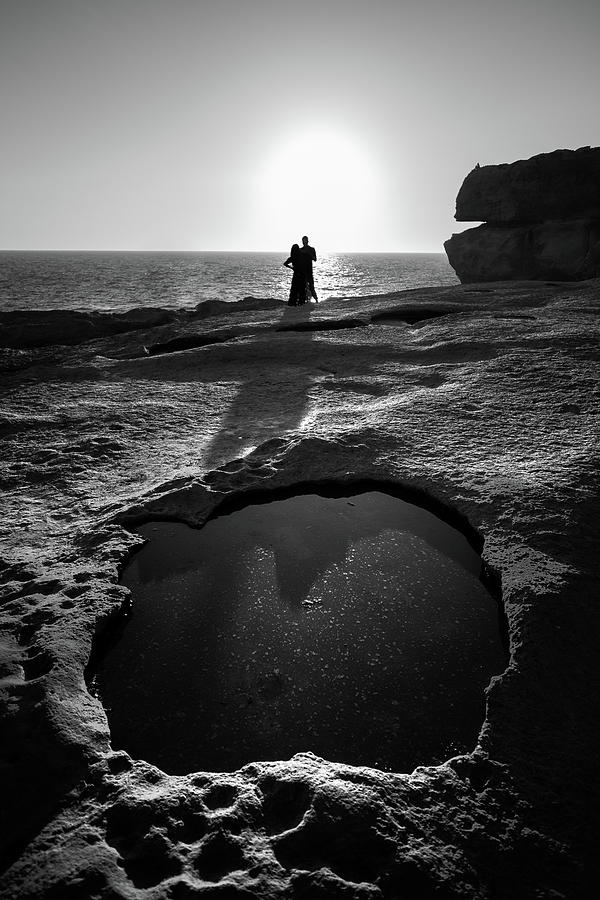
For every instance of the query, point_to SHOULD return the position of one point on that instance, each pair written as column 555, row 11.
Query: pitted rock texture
column 490, row 409
column 542, row 219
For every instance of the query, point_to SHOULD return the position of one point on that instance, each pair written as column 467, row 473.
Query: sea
column 117, row 281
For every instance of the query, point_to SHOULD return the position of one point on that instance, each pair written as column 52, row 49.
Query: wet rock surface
column 491, row 412
column 541, row 215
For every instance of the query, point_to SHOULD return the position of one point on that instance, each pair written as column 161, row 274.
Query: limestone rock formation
column 561, row 185
column 542, row 219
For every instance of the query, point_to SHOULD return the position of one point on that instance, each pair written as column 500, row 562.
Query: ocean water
column 118, row 280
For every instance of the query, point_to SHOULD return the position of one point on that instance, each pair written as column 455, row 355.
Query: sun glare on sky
column 237, row 125
column 322, row 183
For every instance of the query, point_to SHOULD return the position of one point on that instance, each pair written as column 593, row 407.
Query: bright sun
column 320, row 183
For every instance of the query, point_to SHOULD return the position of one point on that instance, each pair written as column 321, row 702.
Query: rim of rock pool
column 111, row 632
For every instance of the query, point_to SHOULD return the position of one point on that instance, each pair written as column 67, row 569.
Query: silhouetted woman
column 297, row 263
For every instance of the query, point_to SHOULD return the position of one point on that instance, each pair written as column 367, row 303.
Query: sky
column 243, row 124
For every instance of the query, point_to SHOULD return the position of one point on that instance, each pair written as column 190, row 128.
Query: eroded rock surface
column 488, row 403
column 542, row 219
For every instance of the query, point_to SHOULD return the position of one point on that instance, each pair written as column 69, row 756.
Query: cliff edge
column 541, row 219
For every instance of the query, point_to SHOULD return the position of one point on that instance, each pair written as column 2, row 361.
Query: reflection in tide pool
column 353, row 627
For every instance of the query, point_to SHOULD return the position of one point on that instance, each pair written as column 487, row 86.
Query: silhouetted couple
column 300, row 261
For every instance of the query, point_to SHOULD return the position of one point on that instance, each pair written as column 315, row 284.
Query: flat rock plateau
column 480, row 400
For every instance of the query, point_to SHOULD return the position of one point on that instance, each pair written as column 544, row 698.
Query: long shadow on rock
column 263, row 407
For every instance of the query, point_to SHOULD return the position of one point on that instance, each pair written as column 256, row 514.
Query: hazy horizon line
column 223, row 250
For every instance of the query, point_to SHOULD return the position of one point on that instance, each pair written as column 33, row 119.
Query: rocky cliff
column 541, row 215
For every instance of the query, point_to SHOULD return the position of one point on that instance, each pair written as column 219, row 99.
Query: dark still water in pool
column 353, row 627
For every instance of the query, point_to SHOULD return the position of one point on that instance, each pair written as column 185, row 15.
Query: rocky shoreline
column 484, row 400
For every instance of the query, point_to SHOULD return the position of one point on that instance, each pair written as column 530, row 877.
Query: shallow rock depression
column 354, row 627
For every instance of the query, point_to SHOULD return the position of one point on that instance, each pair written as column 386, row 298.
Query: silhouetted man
column 310, row 256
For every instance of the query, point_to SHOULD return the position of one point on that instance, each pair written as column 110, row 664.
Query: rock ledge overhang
column 541, row 215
